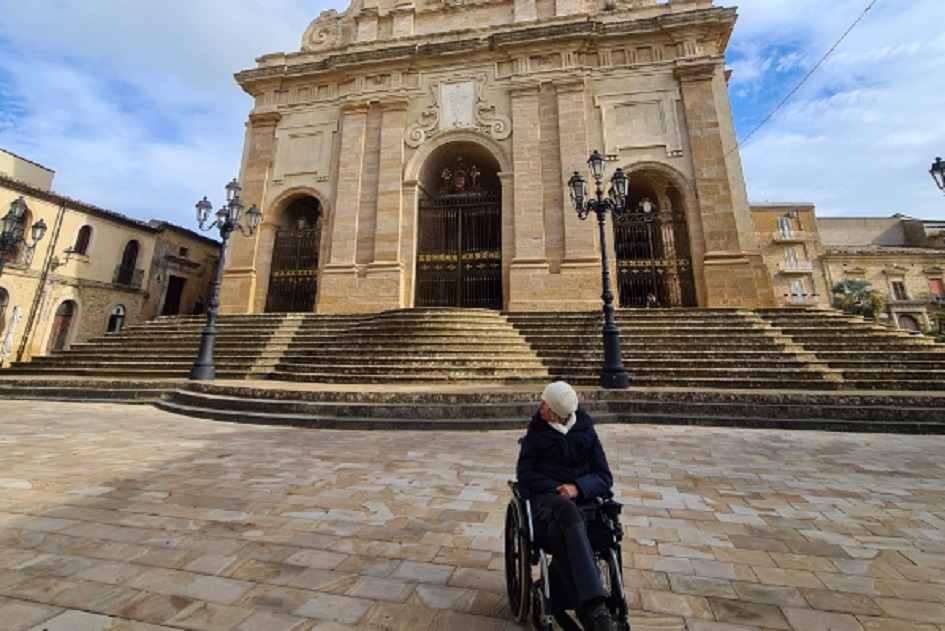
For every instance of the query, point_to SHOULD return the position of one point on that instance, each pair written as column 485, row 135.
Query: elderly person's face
column 546, row 414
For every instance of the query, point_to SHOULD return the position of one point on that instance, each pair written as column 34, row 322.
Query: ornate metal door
column 654, row 265
column 459, row 251
column 293, row 280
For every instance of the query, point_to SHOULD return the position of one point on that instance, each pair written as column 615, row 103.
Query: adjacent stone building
column 93, row 272
column 903, row 259
column 417, row 153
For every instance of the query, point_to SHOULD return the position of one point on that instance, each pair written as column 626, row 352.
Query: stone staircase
column 423, row 346
column 778, row 349
column 246, row 346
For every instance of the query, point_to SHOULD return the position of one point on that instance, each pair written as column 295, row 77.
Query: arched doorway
column 459, row 230
column 59, row 336
column 293, row 277
column 651, row 243
column 908, row 323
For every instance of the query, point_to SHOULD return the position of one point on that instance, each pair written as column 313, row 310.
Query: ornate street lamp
column 227, row 220
column 613, row 375
column 938, row 173
column 11, row 238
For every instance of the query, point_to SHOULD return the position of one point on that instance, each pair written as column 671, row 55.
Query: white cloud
column 859, row 137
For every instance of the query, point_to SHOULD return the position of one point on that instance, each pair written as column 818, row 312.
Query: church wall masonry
column 381, row 101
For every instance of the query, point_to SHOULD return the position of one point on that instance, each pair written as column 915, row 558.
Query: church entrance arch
column 459, row 229
column 293, row 277
column 652, row 247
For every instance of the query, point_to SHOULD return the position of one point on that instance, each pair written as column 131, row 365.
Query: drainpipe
column 41, row 288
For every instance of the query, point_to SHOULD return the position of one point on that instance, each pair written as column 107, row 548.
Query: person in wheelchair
column 562, row 465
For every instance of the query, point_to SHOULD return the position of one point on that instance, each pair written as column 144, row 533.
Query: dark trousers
column 560, row 529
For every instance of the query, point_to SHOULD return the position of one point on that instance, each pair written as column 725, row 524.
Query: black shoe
column 600, row 619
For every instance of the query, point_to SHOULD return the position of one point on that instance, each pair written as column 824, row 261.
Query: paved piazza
column 127, row 518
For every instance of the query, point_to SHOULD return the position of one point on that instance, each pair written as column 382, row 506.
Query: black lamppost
column 938, row 173
column 228, row 220
column 11, row 237
column 613, row 375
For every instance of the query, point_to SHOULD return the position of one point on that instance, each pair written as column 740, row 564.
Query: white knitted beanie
column 561, row 398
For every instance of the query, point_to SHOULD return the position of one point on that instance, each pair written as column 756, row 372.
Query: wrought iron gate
column 293, row 280
column 459, row 251
column 654, row 264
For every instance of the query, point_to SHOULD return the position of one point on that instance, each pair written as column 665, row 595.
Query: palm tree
column 857, row 296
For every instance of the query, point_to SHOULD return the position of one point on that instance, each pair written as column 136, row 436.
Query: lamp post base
column 203, row 373
column 617, row 380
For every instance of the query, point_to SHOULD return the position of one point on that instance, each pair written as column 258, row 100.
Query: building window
column 82, row 240
column 784, row 227
column 790, row 258
column 936, row 287
column 4, row 301
column 899, row 290
column 116, row 320
column 797, row 288
column 183, row 252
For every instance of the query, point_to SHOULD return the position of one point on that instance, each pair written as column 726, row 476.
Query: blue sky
column 134, row 105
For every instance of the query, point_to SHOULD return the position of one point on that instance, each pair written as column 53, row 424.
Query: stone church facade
column 417, row 153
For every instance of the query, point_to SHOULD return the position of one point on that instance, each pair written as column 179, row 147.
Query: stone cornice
column 596, row 30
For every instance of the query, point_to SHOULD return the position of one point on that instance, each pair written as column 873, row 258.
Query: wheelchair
column 543, row 597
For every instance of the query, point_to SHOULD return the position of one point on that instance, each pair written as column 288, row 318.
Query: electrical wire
column 804, row 80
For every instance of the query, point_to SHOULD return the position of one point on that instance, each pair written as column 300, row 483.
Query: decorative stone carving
column 458, row 104
column 323, row 33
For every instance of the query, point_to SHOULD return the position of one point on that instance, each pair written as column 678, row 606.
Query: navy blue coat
column 549, row 458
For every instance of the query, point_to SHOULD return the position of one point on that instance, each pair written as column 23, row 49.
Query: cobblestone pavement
column 127, row 518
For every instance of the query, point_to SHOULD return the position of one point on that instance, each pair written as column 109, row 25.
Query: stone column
column 528, row 269
column 390, row 184
column 735, row 274
column 248, row 260
column 339, row 276
column 580, row 243
column 386, row 272
column 344, row 236
column 526, row 164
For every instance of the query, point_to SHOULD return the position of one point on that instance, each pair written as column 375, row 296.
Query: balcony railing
column 128, row 276
column 794, row 236
column 796, row 267
column 802, row 299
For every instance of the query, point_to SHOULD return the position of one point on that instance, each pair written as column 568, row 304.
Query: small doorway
column 59, row 336
column 175, row 288
column 116, row 320
column 293, row 278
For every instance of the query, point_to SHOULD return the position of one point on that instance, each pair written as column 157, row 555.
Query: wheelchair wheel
column 611, row 573
column 518, row 572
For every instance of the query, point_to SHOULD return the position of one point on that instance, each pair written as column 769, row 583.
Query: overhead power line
column 804, row 80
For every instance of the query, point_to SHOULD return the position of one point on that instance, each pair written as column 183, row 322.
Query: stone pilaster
column 734, row 270
column 524, row 11
column 580, row 244
column 344, row 236
column 385, row 274
column 338, row 280
column 390, row 183
column 246, row 275
column 526, row 161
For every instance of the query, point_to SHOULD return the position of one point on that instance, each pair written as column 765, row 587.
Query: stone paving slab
column 124, row 518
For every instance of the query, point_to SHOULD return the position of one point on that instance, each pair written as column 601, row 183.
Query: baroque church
column 416, row 153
